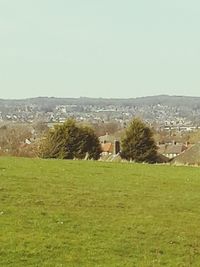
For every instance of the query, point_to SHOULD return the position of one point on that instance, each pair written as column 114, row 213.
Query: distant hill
column 179, row 101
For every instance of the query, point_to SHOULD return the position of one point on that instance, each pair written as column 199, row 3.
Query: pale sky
column 99, row 48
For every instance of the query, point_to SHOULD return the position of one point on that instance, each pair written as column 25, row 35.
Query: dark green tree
column 69, row 141
column 138, row 143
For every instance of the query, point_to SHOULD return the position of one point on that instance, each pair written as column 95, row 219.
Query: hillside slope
column 77, row 213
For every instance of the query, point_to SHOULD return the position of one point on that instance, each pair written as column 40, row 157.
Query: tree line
column 72, row 141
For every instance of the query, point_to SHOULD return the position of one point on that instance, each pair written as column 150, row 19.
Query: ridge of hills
column 179, row 101
column 161, row 109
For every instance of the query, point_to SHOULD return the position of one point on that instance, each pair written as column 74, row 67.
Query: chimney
column 116, row 147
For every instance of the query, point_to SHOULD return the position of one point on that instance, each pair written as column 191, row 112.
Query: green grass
column 78, row 213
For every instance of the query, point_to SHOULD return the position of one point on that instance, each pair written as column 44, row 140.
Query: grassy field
column 78, row 213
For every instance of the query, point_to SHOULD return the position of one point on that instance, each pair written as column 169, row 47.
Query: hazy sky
column 99, row 48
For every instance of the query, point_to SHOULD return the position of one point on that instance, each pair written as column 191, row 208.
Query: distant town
column 163, row 112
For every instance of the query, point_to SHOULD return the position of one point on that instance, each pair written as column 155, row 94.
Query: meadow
column 83, row 213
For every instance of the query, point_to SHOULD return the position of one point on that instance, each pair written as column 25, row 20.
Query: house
column 171, row 150
column 107, row 148
column 109, row 144
column 106, row 138
column 191, row 156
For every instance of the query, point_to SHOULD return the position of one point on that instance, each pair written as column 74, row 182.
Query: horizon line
column 104, row 98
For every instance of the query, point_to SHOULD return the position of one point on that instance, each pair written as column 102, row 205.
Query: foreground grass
column 77, row 213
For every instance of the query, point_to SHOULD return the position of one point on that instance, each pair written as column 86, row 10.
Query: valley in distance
column 107, row 212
